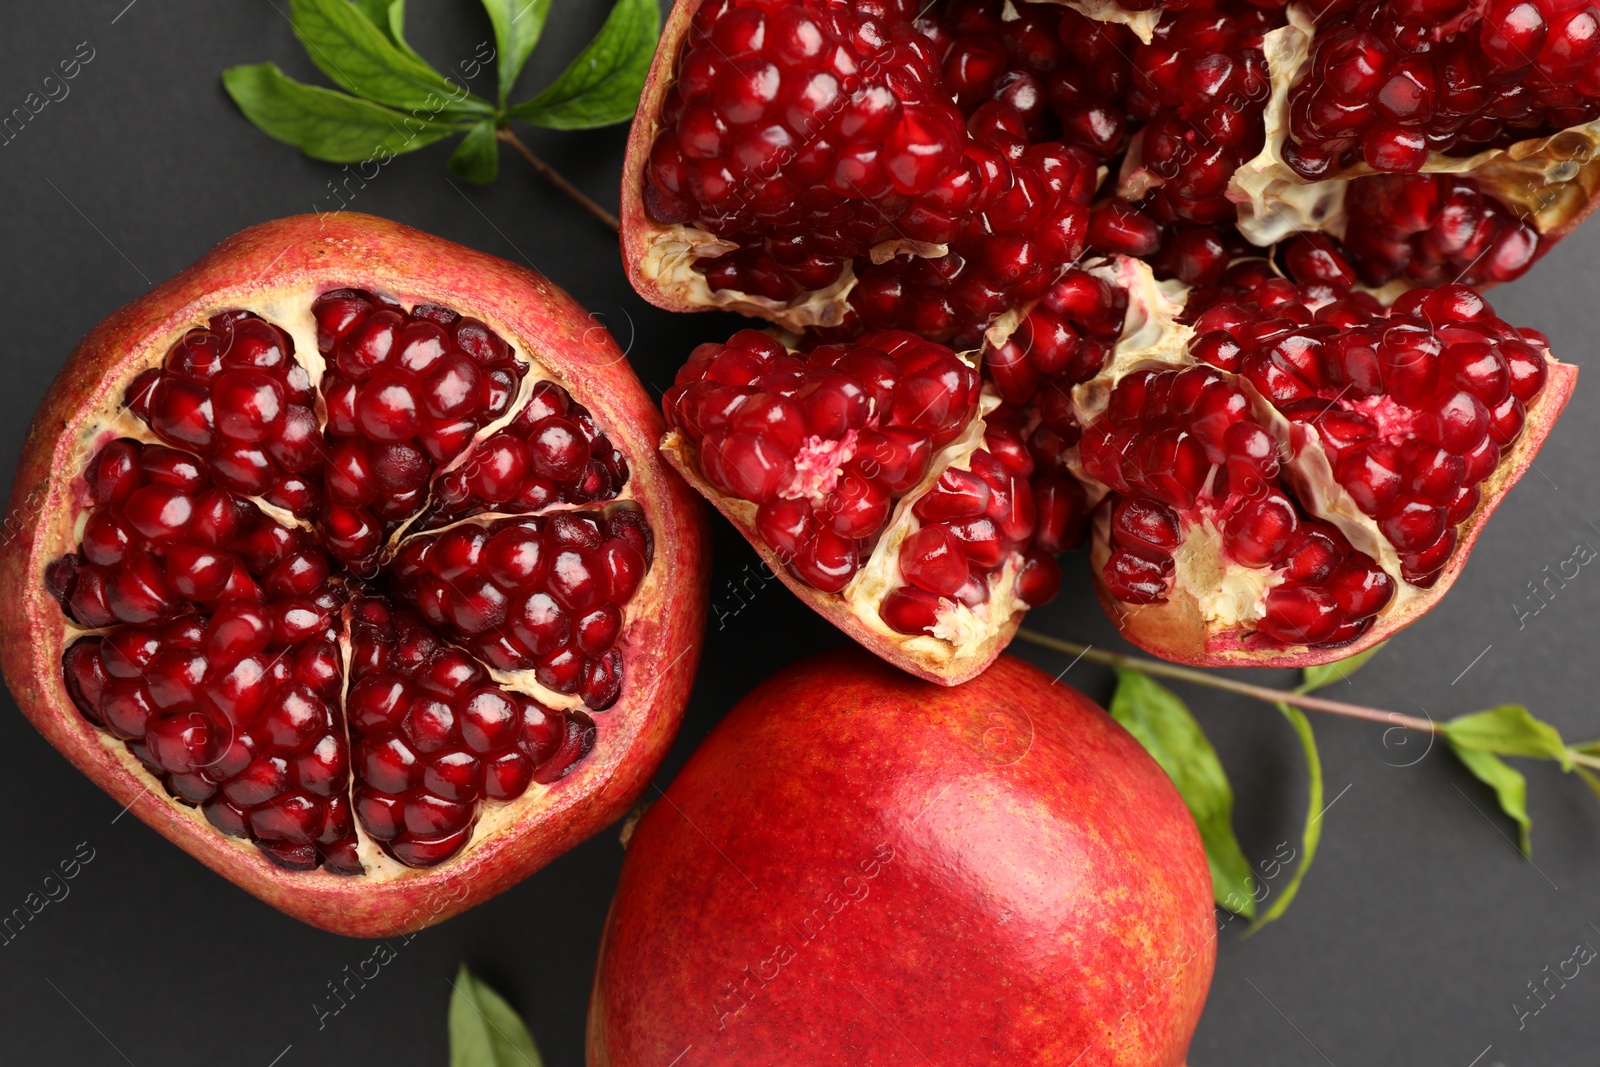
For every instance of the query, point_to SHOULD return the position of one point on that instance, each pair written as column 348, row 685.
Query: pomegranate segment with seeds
column 1389, row 81
column 340, row 587
column 862, row 471
column 1290, row 470
column 546, row 595
column 551, row 453
column 404, row 392
column 853, row 168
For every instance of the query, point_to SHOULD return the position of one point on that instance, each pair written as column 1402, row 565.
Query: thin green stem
column 1158, row 669
column 508, row 136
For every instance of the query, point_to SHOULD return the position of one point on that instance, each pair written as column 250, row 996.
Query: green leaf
column 484, row 1030
column 1324, row 674
column 477, row 158
column 518, row 25
column 1164, row 726
column 1509, row 786
column 360, row 57
column 1508, row 731
column 1311, row 834
column 603, row 84
column 325, row 124
column 1590, row 779
column 377, row 12
column 396, row 21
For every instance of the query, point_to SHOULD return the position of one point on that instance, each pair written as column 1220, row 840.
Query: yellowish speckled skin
column 862, row 868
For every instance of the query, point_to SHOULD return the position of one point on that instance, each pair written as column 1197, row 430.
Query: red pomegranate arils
column 1389, row 81
column 218, row 630
column 1341, row 440
column 435, row 737
column 551, row 453
column 405, row 393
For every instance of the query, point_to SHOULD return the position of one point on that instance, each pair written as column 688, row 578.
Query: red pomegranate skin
column 859, row 867
column 319, row 253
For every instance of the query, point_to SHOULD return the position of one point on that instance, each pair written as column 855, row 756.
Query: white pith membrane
column 1209, row 590
column 961, row 629
column 289, row 308
column 1548, row 180
column 965, row 634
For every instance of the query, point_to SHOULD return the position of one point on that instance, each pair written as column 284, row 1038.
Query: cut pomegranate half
column 1289, row 473
column 352, row 570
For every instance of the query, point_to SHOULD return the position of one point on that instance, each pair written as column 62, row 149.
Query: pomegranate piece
column 1313, row 421
column 1389, row 81
column 821, row 452
column 255, row 611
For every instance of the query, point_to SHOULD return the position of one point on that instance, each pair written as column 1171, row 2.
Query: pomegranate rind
column 1553, row 181
column 929, row 658
column 1177, row 629
column 315, row 253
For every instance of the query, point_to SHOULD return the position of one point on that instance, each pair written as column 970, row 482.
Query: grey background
column 1414, row 935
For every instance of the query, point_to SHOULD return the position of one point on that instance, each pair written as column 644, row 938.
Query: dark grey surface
column 1416, row 933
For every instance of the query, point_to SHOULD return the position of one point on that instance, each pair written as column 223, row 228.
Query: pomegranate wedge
column 1289, row 473
column 349, row 565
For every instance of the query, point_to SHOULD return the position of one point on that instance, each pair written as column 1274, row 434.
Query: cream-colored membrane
column 960, row 628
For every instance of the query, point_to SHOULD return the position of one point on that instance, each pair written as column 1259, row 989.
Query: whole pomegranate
column 911, row 453
column 860, row 867
column 349, row 565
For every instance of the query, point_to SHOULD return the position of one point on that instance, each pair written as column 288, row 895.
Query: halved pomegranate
column 353, row 571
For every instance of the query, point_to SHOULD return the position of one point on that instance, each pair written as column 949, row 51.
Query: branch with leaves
column 392, row 101
column 1164, row 725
